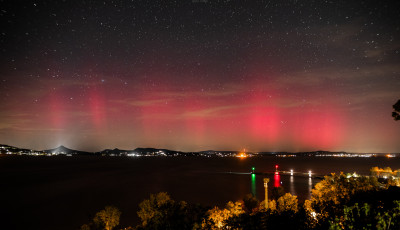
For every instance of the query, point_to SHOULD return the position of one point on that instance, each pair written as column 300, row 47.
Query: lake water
column 65, row 192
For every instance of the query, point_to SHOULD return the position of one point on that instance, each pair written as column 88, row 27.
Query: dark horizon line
column 314, row 151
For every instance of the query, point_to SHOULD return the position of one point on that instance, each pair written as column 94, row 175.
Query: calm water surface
column 65, row 192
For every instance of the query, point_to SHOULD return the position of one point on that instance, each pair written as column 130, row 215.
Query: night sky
column 191, row 75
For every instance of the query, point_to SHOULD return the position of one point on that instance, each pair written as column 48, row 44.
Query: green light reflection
column 253, row 184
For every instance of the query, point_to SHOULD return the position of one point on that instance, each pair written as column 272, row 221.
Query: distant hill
column 62, row 150
column 113, row 152
column 7, row 149
column 158, row 152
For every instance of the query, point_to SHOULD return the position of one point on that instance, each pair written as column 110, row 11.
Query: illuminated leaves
column 329, row 195
column 108, row 217
column 162, row 212
column 287, row 202
column 217, row 217
column 156, row 209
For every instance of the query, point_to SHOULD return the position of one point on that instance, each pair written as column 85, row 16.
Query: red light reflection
column 277, row 180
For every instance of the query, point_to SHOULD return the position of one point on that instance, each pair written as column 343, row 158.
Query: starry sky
column 191, row 75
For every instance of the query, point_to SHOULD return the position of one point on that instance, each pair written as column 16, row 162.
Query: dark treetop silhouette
column 396, row 113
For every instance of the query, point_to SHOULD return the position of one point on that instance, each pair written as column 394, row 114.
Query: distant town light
column 309, row 173
column 291, row 172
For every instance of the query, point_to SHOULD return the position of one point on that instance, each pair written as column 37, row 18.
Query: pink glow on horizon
column 265, row 124
column 161, row 115
column 97, row 107
column 164, row 117
column 322, row 129
column 196, row 125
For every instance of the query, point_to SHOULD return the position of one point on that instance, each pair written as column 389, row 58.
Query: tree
column 368, row 217
column 108, row 217
column 251, row 203
column 162, row 212
column 375, row 171
column 277, row 192
column 151, row 209
column 331, row 194
column 85, row 227
column 272, row 205
column 217, row 217
column 287, row 202
column 396, row 112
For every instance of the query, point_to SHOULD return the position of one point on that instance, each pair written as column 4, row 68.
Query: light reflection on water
column 299, row 186
column 291, row 185
column 277, row 180
column 253, row 185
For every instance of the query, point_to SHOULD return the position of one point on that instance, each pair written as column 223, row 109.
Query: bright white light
column 309, row 173
column 291, row 172
column 314, row 215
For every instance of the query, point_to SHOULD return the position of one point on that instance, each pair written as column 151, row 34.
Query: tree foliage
column 271, row 205
column 85, row 227
column 162, row 212
column 155, row 207
column 331, row 194
column 367, row 216
column 108, row 217
column 282, row 213
column 249, row 221
column 396, row 112
column 287, row 202
column 217, row 217
column 250, row 203
column 277, row 192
